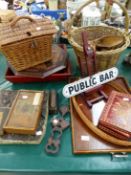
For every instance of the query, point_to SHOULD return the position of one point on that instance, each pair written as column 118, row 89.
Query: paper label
column 85, row 138
column 38, row 133
column 24, row 97
column 36, row 99
column 96, row 111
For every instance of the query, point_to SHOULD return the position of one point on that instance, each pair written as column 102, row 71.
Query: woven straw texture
column 7, row 15
column 26, row 42
column 104, row 59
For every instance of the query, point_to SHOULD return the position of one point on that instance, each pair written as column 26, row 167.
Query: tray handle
column 118, row 155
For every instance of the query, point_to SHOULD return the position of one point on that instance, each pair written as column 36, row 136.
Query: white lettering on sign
column 88, row 83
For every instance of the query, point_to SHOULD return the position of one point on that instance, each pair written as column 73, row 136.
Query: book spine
column 109, row 104
column 105, row 116
column 113, row 132
column 116, row 129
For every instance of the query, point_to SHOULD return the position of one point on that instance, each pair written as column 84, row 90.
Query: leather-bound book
column 116, row 116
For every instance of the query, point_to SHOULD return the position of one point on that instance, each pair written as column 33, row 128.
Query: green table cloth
column 32, row 159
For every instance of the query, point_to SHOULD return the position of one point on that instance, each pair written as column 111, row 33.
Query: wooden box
column 25, row 112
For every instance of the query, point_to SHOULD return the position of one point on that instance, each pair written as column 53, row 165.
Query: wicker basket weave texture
column 27, row 42
column 7, row 15
column 104, row 59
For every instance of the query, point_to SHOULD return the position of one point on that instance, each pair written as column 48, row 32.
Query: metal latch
column 34, row 44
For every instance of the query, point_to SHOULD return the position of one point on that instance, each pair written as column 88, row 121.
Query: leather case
column 116, row 115
column 25, row 112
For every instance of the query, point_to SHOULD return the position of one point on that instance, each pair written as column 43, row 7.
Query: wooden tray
column 120, row 85
column 7, row 138
column 84, row 141
column 25, row 112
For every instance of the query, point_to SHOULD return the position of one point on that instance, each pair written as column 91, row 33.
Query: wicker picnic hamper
column 107, row 58
column 26, row 42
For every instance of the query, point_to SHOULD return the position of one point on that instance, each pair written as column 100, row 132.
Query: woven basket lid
column 25, row 27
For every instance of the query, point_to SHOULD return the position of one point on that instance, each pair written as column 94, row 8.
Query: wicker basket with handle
column 104, row 59
column 26, row 42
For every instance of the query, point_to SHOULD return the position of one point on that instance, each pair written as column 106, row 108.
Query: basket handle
column 111, row 3
column 13, row 23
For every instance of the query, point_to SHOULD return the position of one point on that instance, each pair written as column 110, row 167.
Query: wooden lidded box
column 27, row 42
column 25, row 112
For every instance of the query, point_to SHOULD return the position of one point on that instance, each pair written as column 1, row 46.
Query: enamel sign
column 90, row 82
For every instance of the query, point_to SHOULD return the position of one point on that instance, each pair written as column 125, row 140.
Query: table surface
column 32, row 158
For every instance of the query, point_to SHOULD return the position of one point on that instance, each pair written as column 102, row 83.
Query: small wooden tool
column 53, row 107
